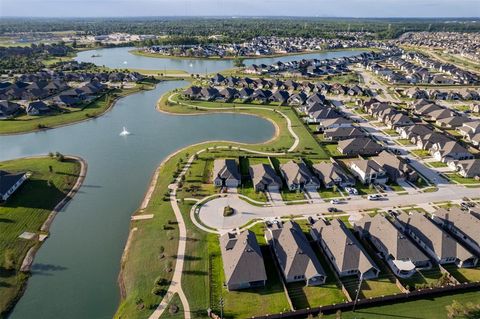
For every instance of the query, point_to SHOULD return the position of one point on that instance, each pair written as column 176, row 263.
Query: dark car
column 332, row 210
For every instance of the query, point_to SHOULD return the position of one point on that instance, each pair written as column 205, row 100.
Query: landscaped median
column 26, row 216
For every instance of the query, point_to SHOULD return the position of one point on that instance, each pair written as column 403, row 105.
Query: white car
column 351, row 190
column 374, row 197
column 334, row 201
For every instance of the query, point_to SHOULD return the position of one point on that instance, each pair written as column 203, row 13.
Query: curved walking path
column 176, row 283
column 289, row 122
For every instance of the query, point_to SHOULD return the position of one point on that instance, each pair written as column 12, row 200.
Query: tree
column 161, row 250
column 239, row 62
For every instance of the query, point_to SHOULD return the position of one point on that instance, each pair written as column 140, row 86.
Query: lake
column 120, row 58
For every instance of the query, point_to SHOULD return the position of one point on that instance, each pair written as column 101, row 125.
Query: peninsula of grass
column 25, row 211
column 172, row 103
column 27, row 123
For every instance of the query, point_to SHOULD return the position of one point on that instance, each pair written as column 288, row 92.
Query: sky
column 320, row 8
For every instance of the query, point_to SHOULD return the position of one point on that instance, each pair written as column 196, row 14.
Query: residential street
column 211, row 213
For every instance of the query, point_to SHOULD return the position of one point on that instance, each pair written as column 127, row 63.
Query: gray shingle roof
column 294, row 253
column 393, row 241
column 242, row 258
column 435, row 238
column 348, row 252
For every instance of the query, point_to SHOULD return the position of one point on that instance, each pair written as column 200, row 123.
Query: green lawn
column 462, row 180
column 404, row 141
column 27, row 210
column 391, row 132
column 437, row 164
column 331, row 149
column 421, row 153
column 422, row 279
column 249, row 302
column 169, row 314
column 431, row 308
column 308, row 144
column 25, row 123
column 464, row 274
column 328, row 193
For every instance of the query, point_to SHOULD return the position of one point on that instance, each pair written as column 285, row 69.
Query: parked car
column 332, row 210
column 374, row 197
column 334, row 201
column 351, row 190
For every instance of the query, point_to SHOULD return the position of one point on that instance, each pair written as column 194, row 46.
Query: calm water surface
column 121, row 58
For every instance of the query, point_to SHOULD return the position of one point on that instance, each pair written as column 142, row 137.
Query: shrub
column 228, row 211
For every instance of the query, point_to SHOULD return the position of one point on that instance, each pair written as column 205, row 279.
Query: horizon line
column 240, row 17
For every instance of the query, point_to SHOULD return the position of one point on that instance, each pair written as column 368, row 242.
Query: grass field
column 464, row 274
column 26, row 211
column 308, row 144
column 431, row 308
column 27, row 123
column 462, row 180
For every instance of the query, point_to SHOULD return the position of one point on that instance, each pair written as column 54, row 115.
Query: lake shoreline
column 29, row 257
column 138, row 52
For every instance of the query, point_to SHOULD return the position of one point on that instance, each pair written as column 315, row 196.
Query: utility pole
column 358, row 292
column 221, row 303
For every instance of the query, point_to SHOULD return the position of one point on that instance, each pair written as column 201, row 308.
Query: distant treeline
column 188, row 30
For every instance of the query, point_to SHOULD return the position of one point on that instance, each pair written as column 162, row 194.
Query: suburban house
column 428, row 140
column 452, row 122
column 332, row 123
column 9, row 183
column 343, row 250
column 342, row 133
column 264, row 178
column 435, row 241
column 449, row 150
column 298, row 176
column 38, row 108
column 401, row 255
column 359, row 146
column 226, row 173
column 412, row 131
column 470, row 128
column 466, row 168
column 331, row 173
column 294, row 255
column 395, row 167
column 8, row 109
column 242, row 261
column 368, row 171
column 463, row 225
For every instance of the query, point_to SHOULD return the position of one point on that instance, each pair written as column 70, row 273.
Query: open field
column 432, row 308
column 26, row 211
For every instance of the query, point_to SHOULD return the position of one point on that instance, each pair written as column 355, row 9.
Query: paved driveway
column 408, row 187
column 275, row 198
column 314, row 195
